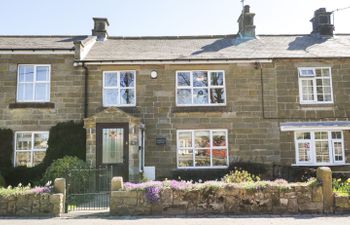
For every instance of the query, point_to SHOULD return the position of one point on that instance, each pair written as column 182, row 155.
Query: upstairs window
column 30, row 148
column 315, row 85
column 319, row 147
column 119, row 88
column 33, row 83
column 200, row 88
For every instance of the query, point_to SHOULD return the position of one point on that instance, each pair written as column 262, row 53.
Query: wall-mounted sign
column 160, row 140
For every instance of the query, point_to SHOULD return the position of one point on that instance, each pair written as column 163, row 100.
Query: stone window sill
column 26, row 105
column 180, row 109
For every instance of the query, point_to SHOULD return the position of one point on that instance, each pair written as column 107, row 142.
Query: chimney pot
column 246, row 23
column 100, row 28
column 321, row 23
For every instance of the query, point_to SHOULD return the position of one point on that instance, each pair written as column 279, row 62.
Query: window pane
column 325, row 73
column 23, row 159
column 40, row 140
column 110, row 80
column 219, row 138
column 42, row 73
column 336, row 135
column 200, row 79
column 219, row 157
column 25, row 92
column 202, row 157
column 307, row 90
column 110, row 97
column 304, row 152
column 24, row 141
column 322, row 153
column 127, row 96
column 318, row 73
column 306, row 72
column 200, row 96
column 202, row 139
column 38, row 157
column 217, row 78
column 112, row 145
column 41, row 91
column 338, row 151
column 183, row 79
column 217, row 95
column 127, row 79
column 26, row 73
column 185, row 139
column 185, row 158
column 184, row 96
column 303, row 135
column 321, row 135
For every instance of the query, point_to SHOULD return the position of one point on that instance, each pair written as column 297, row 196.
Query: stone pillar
column 117, row 184
column 324, row 175
column 60, row 187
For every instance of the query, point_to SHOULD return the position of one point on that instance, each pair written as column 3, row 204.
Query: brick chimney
column 321, row 23
column 100, row 28
column 246, row 23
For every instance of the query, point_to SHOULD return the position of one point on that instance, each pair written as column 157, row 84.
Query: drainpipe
column 86, row 90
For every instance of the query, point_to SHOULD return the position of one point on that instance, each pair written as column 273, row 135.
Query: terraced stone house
column 162, row 104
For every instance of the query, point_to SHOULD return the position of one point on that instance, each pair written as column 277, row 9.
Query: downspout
column 86, row 90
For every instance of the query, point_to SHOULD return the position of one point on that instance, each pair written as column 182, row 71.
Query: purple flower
column 153, row 194
column 40, row 190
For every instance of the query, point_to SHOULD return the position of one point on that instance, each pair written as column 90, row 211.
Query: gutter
column 86, row 90
column 170, row 61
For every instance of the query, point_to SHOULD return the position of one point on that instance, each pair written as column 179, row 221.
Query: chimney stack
column 321, row 23
column 100, row 28
column 246, row 23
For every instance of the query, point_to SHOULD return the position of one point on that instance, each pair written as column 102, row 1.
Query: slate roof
column 219, row 47
column 38, row 42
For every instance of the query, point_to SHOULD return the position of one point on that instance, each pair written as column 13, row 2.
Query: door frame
column 125, row 164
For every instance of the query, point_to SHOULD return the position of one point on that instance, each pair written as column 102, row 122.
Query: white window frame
column 32, row 149
column 193, row 148
column 312, row 141
column 313, row 78
column 223, row 86
column 34, row 83
column 118, row 88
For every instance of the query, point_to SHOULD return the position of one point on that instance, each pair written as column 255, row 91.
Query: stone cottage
column 161, row 104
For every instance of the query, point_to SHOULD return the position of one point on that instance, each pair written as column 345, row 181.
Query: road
column 84, row 219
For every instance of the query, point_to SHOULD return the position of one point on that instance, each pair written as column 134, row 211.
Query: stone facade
column 67, row 85
column 253, row 134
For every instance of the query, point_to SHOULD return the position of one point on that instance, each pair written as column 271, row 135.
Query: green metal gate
column 89, row 189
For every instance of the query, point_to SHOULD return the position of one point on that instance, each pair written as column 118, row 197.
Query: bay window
column 319, row 147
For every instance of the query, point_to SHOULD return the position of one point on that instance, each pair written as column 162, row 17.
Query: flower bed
column 27, row 201
column 180, row 197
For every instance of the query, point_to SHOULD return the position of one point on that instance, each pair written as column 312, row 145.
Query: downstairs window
column 202, row 149
column 319, row 147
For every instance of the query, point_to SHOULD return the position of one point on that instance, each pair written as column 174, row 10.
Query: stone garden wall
column 342, row 204
column 254, row 198
column 34, row 204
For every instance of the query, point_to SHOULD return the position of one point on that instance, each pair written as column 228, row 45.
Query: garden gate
column 89, row 189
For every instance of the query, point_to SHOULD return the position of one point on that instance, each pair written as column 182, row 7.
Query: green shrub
column 24, row 175
column 259, row 169
column 341, row 187
column 14, row 191
column 198, row 175
column 68, row 167
column 66, row 139
column 6, row 148
column 239, row 176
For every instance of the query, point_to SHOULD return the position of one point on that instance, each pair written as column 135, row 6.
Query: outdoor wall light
column 154, row 74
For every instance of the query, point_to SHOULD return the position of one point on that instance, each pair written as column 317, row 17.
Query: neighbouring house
column 161, row 104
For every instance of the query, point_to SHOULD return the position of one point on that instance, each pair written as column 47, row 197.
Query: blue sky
column 163, row 17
